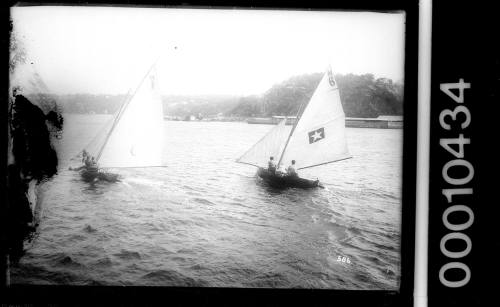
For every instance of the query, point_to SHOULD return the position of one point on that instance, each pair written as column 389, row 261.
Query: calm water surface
column 205, row 220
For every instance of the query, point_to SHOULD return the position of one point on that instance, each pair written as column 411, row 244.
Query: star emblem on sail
column 316, row 135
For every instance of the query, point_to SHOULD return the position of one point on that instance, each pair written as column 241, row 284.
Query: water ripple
column 207, row 221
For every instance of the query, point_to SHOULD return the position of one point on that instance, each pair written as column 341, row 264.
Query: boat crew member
column 87, row 161
column 84, row 156
column 271, row 165
column 88, row 164
column 290, row 171
column 92, row 165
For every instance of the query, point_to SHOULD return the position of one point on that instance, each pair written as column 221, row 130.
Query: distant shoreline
column 381, row 122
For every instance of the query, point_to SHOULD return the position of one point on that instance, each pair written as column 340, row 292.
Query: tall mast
column 299, row 115
column 122, row 110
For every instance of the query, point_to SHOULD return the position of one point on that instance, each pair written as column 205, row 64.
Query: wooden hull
column 92, row 175
column 280, row 181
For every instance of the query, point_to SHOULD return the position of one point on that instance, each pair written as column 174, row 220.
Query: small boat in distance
column 317, row 138
column 133, row 138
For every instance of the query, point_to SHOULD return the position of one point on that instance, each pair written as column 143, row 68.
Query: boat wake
column 142, row 181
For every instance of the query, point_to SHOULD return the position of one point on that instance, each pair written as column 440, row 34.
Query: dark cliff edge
column 32, row 159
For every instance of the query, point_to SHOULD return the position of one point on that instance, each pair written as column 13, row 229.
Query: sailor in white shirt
column 290, row 171
column 271, row 165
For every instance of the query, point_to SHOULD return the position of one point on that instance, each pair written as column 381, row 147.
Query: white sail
column 319, row 135
column 270, row 145
column 135, row 136
column 94, row 147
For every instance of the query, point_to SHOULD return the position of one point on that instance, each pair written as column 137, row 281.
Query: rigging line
column 247, row 163
column 122, row 110
column 105, row 126
column 115, row 121
column 325, row 163
column 299, row 115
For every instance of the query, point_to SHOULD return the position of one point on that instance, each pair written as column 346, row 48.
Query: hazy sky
column 108, row 50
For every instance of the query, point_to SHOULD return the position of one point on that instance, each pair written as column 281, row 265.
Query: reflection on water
column 204, row 220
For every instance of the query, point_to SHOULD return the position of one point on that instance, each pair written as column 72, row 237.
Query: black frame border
column 75, row 295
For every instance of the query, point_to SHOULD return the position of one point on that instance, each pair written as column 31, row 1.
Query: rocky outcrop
column 33, row 159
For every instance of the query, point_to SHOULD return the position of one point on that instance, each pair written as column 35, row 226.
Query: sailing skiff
column 133, row 137
column 317, row 138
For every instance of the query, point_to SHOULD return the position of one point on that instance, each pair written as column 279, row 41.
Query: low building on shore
column 383, row 121
column 274, row 120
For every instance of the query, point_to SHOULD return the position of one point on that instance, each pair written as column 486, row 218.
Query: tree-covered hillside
column 361, row 95
column 198, row 105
